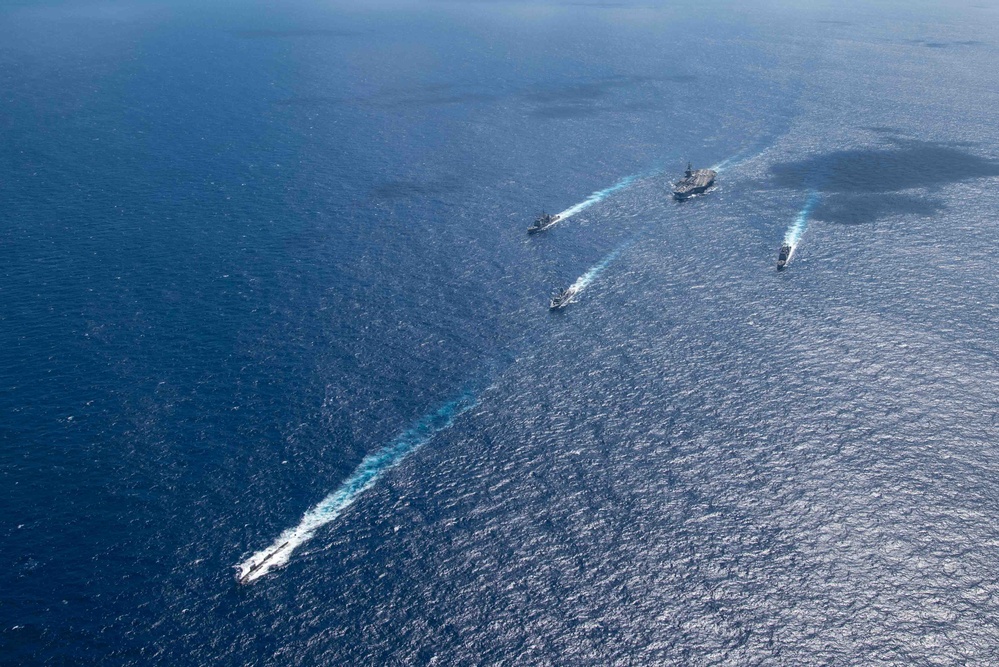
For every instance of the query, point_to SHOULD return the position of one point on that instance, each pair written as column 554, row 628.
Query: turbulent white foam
column 597, row 196
column 736, row 160
column 721, row 166
column 584, row 280
column 800, row 224
column 364, row 477
column 732, row 162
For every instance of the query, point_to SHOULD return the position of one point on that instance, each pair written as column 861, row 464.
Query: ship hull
column 784, row 256
column 536, row 229
column 697, row 183
column 560, row 302
column 248, row 574
column 681, row 196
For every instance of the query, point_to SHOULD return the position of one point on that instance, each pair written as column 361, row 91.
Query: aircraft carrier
column 694, row 182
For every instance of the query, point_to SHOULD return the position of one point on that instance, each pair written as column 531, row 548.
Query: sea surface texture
column 269, row 311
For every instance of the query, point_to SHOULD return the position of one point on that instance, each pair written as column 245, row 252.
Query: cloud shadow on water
column 844, row 209
column 577, row 100
column 296, row 32
column 595, row 97
column 595, row 89
column 438, row 100
column 903, row 166
column 883, row 130
column 417, row 97
column 400, row 189
column 558, row 111
column 863, row 185
column 931, row 44
column 595, row 5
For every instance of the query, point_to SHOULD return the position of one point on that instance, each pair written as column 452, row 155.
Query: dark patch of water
column 294, row 32
column 908, row 164
column 848, row 209
column 938, row 44
column 391, row 190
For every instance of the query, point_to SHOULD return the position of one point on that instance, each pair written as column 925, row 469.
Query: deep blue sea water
column 264, row 273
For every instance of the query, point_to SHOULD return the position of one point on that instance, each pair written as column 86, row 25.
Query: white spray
column 800, row 224
column 596, row 197
column 371, row 468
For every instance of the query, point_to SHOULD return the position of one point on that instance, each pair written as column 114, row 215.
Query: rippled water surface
column 267, row 300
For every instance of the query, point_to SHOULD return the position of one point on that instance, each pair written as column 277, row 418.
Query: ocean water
column 267, row 300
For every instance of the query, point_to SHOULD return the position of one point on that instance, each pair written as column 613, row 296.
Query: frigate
column 784, row 255
column 245, row 575
column 562, row 298
column 543, row 222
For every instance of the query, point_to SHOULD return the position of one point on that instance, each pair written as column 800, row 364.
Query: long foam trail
column 732, row 162
column 584, row 280
column 800, row 224
column 367, row 473
column 721, row 166
column 736, row 160
column 596, row 197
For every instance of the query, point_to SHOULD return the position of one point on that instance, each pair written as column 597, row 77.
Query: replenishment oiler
column 543, row 222
column 694, row 183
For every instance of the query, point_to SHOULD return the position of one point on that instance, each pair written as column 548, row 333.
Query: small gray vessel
column 543, row 222
column 784, row 256
column 562, row 298
column 245, row 576
column 694, row 183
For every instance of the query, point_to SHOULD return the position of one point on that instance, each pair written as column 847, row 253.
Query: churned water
column 267, row 300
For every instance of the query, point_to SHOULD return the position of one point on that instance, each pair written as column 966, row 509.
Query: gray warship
column 245, row 576
column 562, row 298
column 543, row 222
column 783, row 256
column 694, row 183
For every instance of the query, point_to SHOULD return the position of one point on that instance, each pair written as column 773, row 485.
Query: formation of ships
column 693, row 183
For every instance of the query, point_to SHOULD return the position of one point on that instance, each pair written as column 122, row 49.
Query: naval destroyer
column 784, row 255
column 543, row 222
column 694, row 182
column 562, row 298
column 245, row 575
